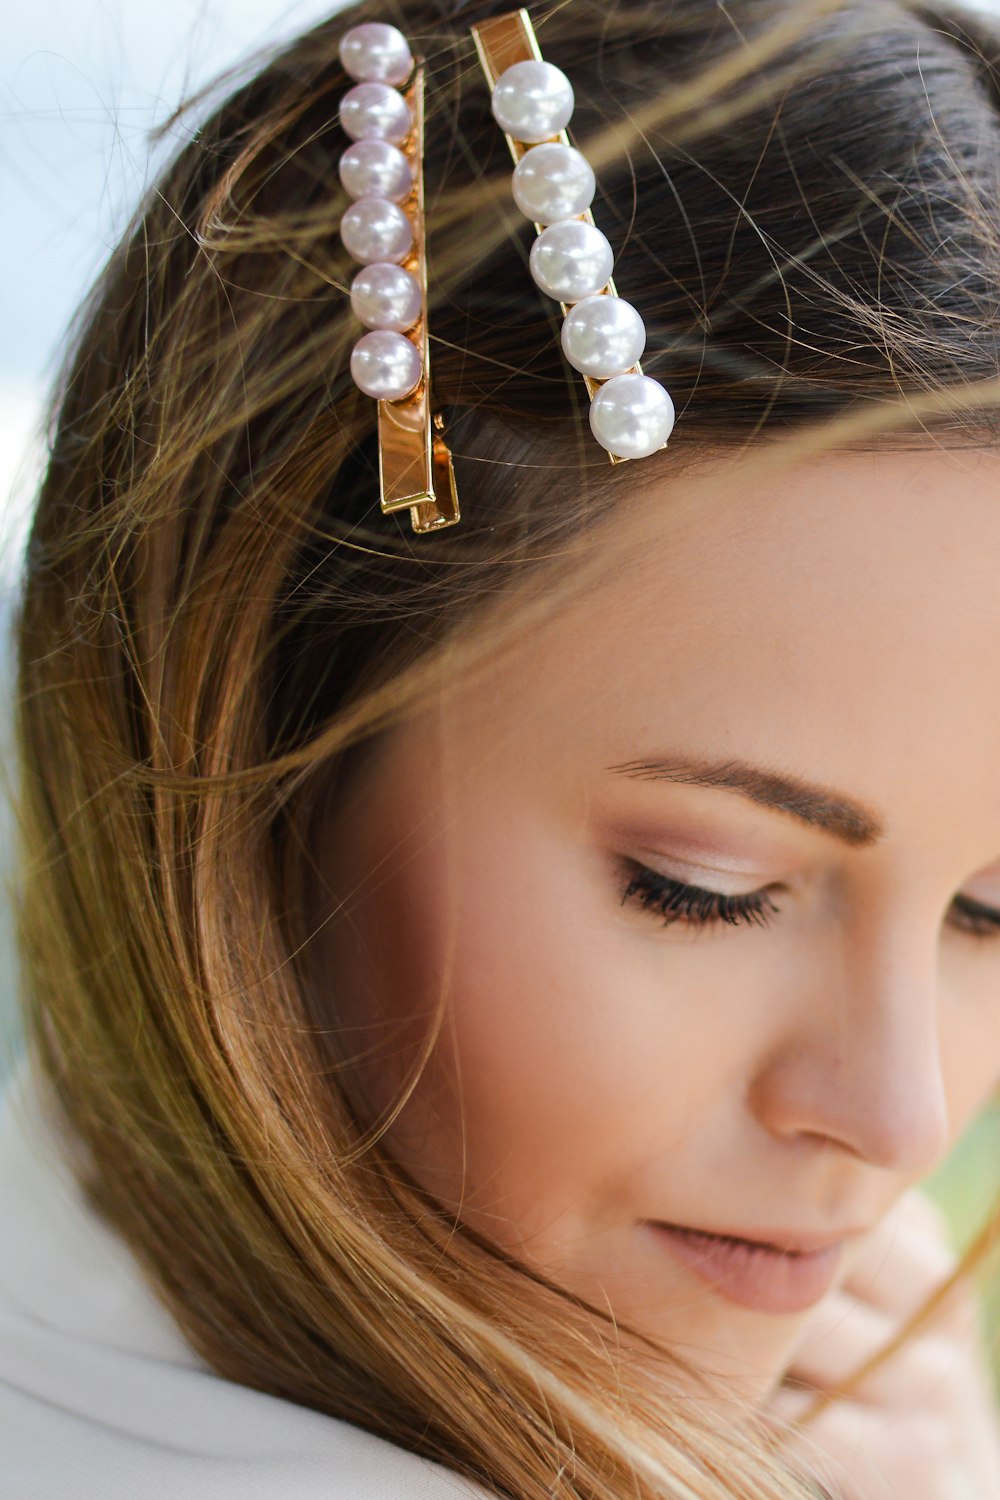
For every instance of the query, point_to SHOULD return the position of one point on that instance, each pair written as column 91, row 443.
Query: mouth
column 784, row 1273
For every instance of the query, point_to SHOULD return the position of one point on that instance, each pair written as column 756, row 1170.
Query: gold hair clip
column 382, row 170
column 603, row 336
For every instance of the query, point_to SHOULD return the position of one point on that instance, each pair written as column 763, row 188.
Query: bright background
column 82, row 84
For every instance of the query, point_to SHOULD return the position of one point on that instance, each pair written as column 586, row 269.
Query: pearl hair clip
column 383, row 229
column 603, row 336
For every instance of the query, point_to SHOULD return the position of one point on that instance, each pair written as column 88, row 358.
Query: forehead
column 841, row 619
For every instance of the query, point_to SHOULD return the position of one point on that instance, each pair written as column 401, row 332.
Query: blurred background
column 82, row 85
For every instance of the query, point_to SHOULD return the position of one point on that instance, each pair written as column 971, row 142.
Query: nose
column 860, row 1065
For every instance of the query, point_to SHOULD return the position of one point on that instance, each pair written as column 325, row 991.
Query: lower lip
column 755, row 1276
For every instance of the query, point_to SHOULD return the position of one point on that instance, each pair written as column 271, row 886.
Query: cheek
column 555, row 1081
column 970, row 1032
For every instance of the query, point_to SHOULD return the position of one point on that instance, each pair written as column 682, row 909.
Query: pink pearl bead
column 374, row 169
column 386, row 296
column 375, row 229
column 375, row 112
column 375, row 53
column 386, row 365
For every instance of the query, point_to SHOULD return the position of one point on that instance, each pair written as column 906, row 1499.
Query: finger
column 786, row 1407
column 863, row 1453
column 906, row 1255
column 842, row 1335
column 930, row 1368
column 905, row 1261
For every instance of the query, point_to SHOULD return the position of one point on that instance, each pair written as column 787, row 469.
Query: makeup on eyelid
column 726, row 880
column 697, row 857
column 694, row 850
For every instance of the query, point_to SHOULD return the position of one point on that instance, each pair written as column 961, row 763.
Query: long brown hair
column 216, row 618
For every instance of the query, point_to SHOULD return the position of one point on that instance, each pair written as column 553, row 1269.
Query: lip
column 767, row 1271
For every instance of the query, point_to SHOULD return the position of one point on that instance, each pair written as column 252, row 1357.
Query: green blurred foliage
column 967, row 1188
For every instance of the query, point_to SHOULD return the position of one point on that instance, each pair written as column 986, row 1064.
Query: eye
column 978, row 920
column 692, row 905
column 676, row 902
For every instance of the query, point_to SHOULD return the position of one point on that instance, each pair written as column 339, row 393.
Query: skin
column 599, row 1068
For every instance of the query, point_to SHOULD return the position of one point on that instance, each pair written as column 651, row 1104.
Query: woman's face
column 791, row 702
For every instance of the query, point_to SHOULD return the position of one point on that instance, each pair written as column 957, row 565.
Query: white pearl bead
column 386, row 296
column 375, row 53
column 375, row 112
column 603, row 336
column 632, row 416
column 375, row 229
column 553, row 182
column 374, row 169
column 532, row 100
column 571, row 260
column 385, row 365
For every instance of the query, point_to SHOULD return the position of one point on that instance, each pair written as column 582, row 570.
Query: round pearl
column 374, row 169
column 385, row 365
column 603, row 336
column 375, row 112
column 571, row 260
column 553, row 182
column 375, row 53
column 631, row 416
column 375, row 229
column 386, row 296
column 532, row 100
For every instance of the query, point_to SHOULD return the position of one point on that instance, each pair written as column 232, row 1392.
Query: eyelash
column 695, row 907
column 690, row 904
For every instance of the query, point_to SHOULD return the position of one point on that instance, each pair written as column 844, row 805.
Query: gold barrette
column 603, row 336
column 382, row 170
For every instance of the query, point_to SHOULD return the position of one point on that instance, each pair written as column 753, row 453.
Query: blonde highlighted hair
column 215, row 619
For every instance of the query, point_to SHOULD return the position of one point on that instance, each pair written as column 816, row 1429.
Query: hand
column 923, row 1426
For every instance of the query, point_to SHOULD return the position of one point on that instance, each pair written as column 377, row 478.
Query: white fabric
column 102, row 1399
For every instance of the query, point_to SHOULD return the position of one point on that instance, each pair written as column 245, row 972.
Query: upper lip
column 789, row 1241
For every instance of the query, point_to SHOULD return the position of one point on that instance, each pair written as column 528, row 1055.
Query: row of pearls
column 603, row 336
column 375, row 230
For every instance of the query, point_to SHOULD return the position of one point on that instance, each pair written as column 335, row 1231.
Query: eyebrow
column 817, row 806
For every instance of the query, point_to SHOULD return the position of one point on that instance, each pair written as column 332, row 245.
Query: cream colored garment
column 101, row 1398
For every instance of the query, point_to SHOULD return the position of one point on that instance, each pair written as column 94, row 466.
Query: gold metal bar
column 501, row 42
column 504, row 41
column 415, row 468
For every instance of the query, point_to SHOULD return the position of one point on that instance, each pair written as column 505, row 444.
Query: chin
column 743, row 1351
column 743, row 1355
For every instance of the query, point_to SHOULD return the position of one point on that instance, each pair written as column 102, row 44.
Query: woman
column 501, row 989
